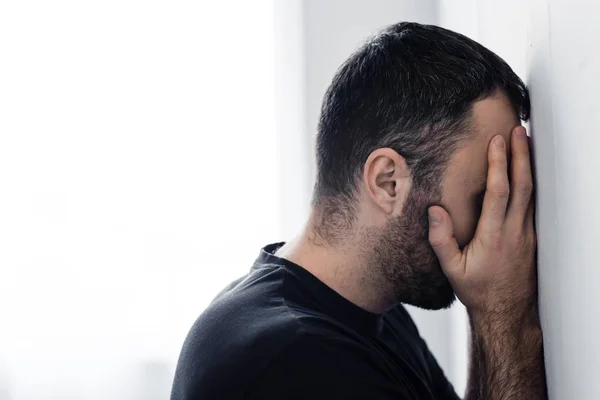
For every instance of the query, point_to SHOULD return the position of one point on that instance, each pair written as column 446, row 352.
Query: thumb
column 441, row 238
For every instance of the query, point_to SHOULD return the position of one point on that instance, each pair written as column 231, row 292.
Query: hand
column 495, row 272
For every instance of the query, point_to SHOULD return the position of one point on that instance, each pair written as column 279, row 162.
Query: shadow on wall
column 153, row 381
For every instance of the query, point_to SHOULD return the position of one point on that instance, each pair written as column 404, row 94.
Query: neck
column 343, row 267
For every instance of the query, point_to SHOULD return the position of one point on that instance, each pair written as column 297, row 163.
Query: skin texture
column 474, row 238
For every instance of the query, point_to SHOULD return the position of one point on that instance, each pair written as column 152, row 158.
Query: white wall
column 293, row 143
column 137, row 149
column 552, row 45
column 563, row 67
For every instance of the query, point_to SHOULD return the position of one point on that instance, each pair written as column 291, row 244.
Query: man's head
column 404, row 125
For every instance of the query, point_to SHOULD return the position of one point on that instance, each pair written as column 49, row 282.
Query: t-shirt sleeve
column 314, row 368
column 443, row 388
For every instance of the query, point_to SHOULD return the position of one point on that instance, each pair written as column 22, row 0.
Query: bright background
column 149, row 149
column 138, row 167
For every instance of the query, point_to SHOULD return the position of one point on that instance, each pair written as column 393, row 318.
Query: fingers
column 521, row 177
column 441, row 238
column 497, row 190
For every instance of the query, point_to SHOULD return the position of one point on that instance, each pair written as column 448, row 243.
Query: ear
column 386, row 179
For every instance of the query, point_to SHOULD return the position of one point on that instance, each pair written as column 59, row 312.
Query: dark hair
column 410, row 88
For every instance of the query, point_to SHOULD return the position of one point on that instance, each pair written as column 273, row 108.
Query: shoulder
column 235, row 338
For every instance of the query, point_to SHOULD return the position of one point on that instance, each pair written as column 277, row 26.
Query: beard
column 407, row 262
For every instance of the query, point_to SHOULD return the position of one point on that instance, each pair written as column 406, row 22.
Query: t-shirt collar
column 331, row 302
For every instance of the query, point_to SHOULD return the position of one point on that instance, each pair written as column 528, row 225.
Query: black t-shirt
column 280, row 333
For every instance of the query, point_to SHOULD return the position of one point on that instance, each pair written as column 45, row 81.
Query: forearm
column 507, row 360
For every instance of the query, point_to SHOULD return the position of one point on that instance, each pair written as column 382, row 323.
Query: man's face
column 403, row 252
column 465, row 178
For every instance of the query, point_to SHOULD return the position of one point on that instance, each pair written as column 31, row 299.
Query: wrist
column 517, row 326
column 512, row 314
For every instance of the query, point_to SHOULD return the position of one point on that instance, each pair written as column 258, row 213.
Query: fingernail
column 521, row 132
column 434, row 219
column 499, row 142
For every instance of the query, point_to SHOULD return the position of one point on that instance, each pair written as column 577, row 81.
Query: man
column 423, row 192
